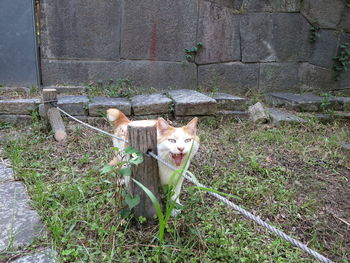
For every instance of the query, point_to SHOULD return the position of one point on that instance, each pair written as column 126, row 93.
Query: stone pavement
column 19, row 223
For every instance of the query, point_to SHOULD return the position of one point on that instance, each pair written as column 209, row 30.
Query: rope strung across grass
column 190, row 177
column 92, row 127
column 247, row 214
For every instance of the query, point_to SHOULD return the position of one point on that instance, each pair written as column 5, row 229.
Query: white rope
column 247, row 214
column 190, row 177
column 92, row 127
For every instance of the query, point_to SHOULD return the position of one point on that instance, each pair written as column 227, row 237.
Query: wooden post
column 52, row 115
column 143, row 136
column 49, row 95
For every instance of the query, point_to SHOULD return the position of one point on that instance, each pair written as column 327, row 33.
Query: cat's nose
column 181, row 149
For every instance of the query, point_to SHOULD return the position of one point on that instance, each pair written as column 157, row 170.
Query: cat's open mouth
column 178, row 158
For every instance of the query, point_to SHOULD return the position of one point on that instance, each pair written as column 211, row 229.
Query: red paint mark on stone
column 153, row 46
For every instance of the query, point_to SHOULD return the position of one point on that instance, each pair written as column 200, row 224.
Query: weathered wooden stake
column 52, row 115
column 143, row 136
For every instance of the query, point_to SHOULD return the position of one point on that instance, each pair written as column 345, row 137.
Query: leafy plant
column 130, row 156
column 314, row 33
column 190, row 53
column 326, row 101
column 341, row 61
column 169, row 202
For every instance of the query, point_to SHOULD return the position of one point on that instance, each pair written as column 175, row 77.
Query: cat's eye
column 172, row 140
column 188, row 140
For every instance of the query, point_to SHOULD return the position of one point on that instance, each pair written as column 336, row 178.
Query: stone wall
column 248, row 45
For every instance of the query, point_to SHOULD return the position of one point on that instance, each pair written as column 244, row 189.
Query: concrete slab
column 18, row 106
column 191, row 102
column 74, row 105
column 307, row 102
column 229, row 102
column 279, row 116
column 150, row 104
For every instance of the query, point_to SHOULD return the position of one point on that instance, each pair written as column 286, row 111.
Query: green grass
column 123, row 88
column 294, row 177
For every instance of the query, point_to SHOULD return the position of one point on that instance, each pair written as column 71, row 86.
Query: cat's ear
column 162, row 125
column 191, row 127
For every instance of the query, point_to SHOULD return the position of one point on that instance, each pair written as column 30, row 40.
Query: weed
column 34, row 90
column 341, row 61
column 6, row 125
column 190, row 53
column 121, row 88
column 326, row 102
column 314, row 33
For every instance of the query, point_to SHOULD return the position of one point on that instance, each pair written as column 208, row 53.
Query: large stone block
column 270, row 5
column 19, row 223
column 345, row 21
column 227, row 102
column 233, row 77
column 74, row 72
column 145, row 74
column 18, row 106
column 279, row 116
column 218, row 30
column 274, row 37
column 99, row 105
column 150, row 104
column 159, row 74
column 307, row 102
column 74, row 105
column 325, row 13
column 191, row 103
column 325, row 48
column 158, row 29
column 316, row 79
column 81, row 29
column 279, row 77
column 300, row 102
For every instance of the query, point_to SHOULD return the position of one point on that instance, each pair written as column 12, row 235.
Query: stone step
column 74, row 105
column 307, row 102
column 150, row 104
column 228, row 102
column 18, row 106
column 192, row 103
column 278, row 116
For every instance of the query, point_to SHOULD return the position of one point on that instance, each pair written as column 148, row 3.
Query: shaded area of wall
column 248, row 45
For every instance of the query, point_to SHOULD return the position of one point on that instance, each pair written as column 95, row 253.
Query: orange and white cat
column 173, row 145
